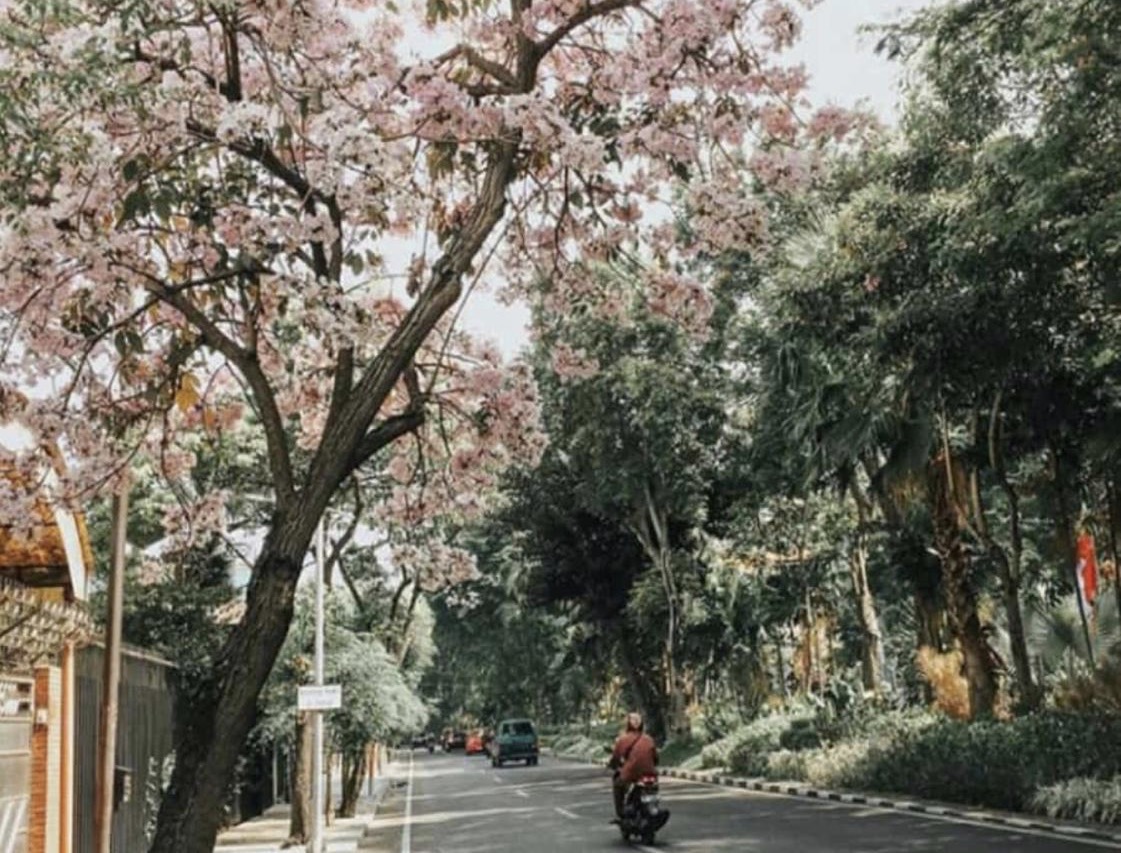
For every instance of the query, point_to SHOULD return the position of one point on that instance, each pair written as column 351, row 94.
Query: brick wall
column 46, row 762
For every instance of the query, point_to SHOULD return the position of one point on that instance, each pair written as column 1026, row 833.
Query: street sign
column 320, row 698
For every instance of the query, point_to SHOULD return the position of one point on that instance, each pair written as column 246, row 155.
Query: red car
column 475, row 744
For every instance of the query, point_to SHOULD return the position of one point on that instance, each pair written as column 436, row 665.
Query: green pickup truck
column 515, row 740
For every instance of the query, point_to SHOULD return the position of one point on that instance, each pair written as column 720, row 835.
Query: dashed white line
column 521, row 793
column 566, row 813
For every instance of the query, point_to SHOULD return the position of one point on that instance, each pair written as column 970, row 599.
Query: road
column 457, row 804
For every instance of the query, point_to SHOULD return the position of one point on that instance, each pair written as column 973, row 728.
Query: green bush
column 786, row 765
column 716, row 754
column 840, row 766
column 999, row 764
column 749, row 747
column 802, row 734
column 1080, row 799
column 579, row 745
column 683, row 752
column 718, row 721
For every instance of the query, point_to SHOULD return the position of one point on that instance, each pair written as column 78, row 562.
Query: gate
column 144, row 742
column 16, row 718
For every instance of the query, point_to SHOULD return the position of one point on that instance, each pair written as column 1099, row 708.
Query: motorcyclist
column 634, row 755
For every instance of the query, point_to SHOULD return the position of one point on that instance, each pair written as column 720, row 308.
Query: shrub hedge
column 1061, row 763
column 998, row 764
column 1081, row 799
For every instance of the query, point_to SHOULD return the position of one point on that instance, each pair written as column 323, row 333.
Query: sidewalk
column 266, row 834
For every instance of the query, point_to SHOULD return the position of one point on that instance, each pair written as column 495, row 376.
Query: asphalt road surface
column 456, row 804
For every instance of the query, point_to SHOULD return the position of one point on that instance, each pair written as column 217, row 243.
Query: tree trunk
column 871, row 638
column 209, row 740
column 1009, row 563
column 782, row 686
column 355, row 769
column 872, row 641
column 1021, row 658
column 961, row 603
column 299, row 820
column 930, row 616
column 1064, row 525
column 404, row 640
column 652, row 533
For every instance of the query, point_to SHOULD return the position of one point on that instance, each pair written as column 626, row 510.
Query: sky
column 844, row 70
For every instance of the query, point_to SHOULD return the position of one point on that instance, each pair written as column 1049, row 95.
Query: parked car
column 455, row 739
column 475, row 744
column 515, row 740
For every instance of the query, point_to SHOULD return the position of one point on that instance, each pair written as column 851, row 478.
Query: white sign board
column 315, row 698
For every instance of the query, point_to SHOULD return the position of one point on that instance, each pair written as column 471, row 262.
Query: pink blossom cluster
column 192, row 521
column 781, row 23
column 726, row 216
column 681, row 300
column 202, row 193
column 573, row 365
column 435, row 565
column 784, row 169
column 484, row 418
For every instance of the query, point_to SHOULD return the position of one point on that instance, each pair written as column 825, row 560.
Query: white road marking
column 407, row 832
column 521, row 793
column 566, row 813
column 498, row 779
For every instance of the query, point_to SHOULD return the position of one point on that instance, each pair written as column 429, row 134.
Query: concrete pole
column 66, row 784
column 107, row 753
column 316, row 845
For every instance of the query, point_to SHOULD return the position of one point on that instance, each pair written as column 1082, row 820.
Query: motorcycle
column 643, row 814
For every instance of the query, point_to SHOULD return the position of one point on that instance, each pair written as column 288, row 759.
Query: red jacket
column 641, row 760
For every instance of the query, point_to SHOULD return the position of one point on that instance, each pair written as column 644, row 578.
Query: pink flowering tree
column 201, row 204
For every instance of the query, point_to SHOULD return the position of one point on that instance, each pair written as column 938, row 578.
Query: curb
column 918, row 806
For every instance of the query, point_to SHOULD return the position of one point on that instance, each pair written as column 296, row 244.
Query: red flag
column 1087, row 570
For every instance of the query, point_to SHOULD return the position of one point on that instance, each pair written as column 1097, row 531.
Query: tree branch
column 349, row 581
column 352, row 426
column 335, row 558
column 480, row 63
column 385, row 434
column 590, row 11
column 246, row 362
column 260, row 152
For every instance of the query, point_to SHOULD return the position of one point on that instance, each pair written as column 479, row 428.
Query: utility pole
column 316, row 845
column 107, row 758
